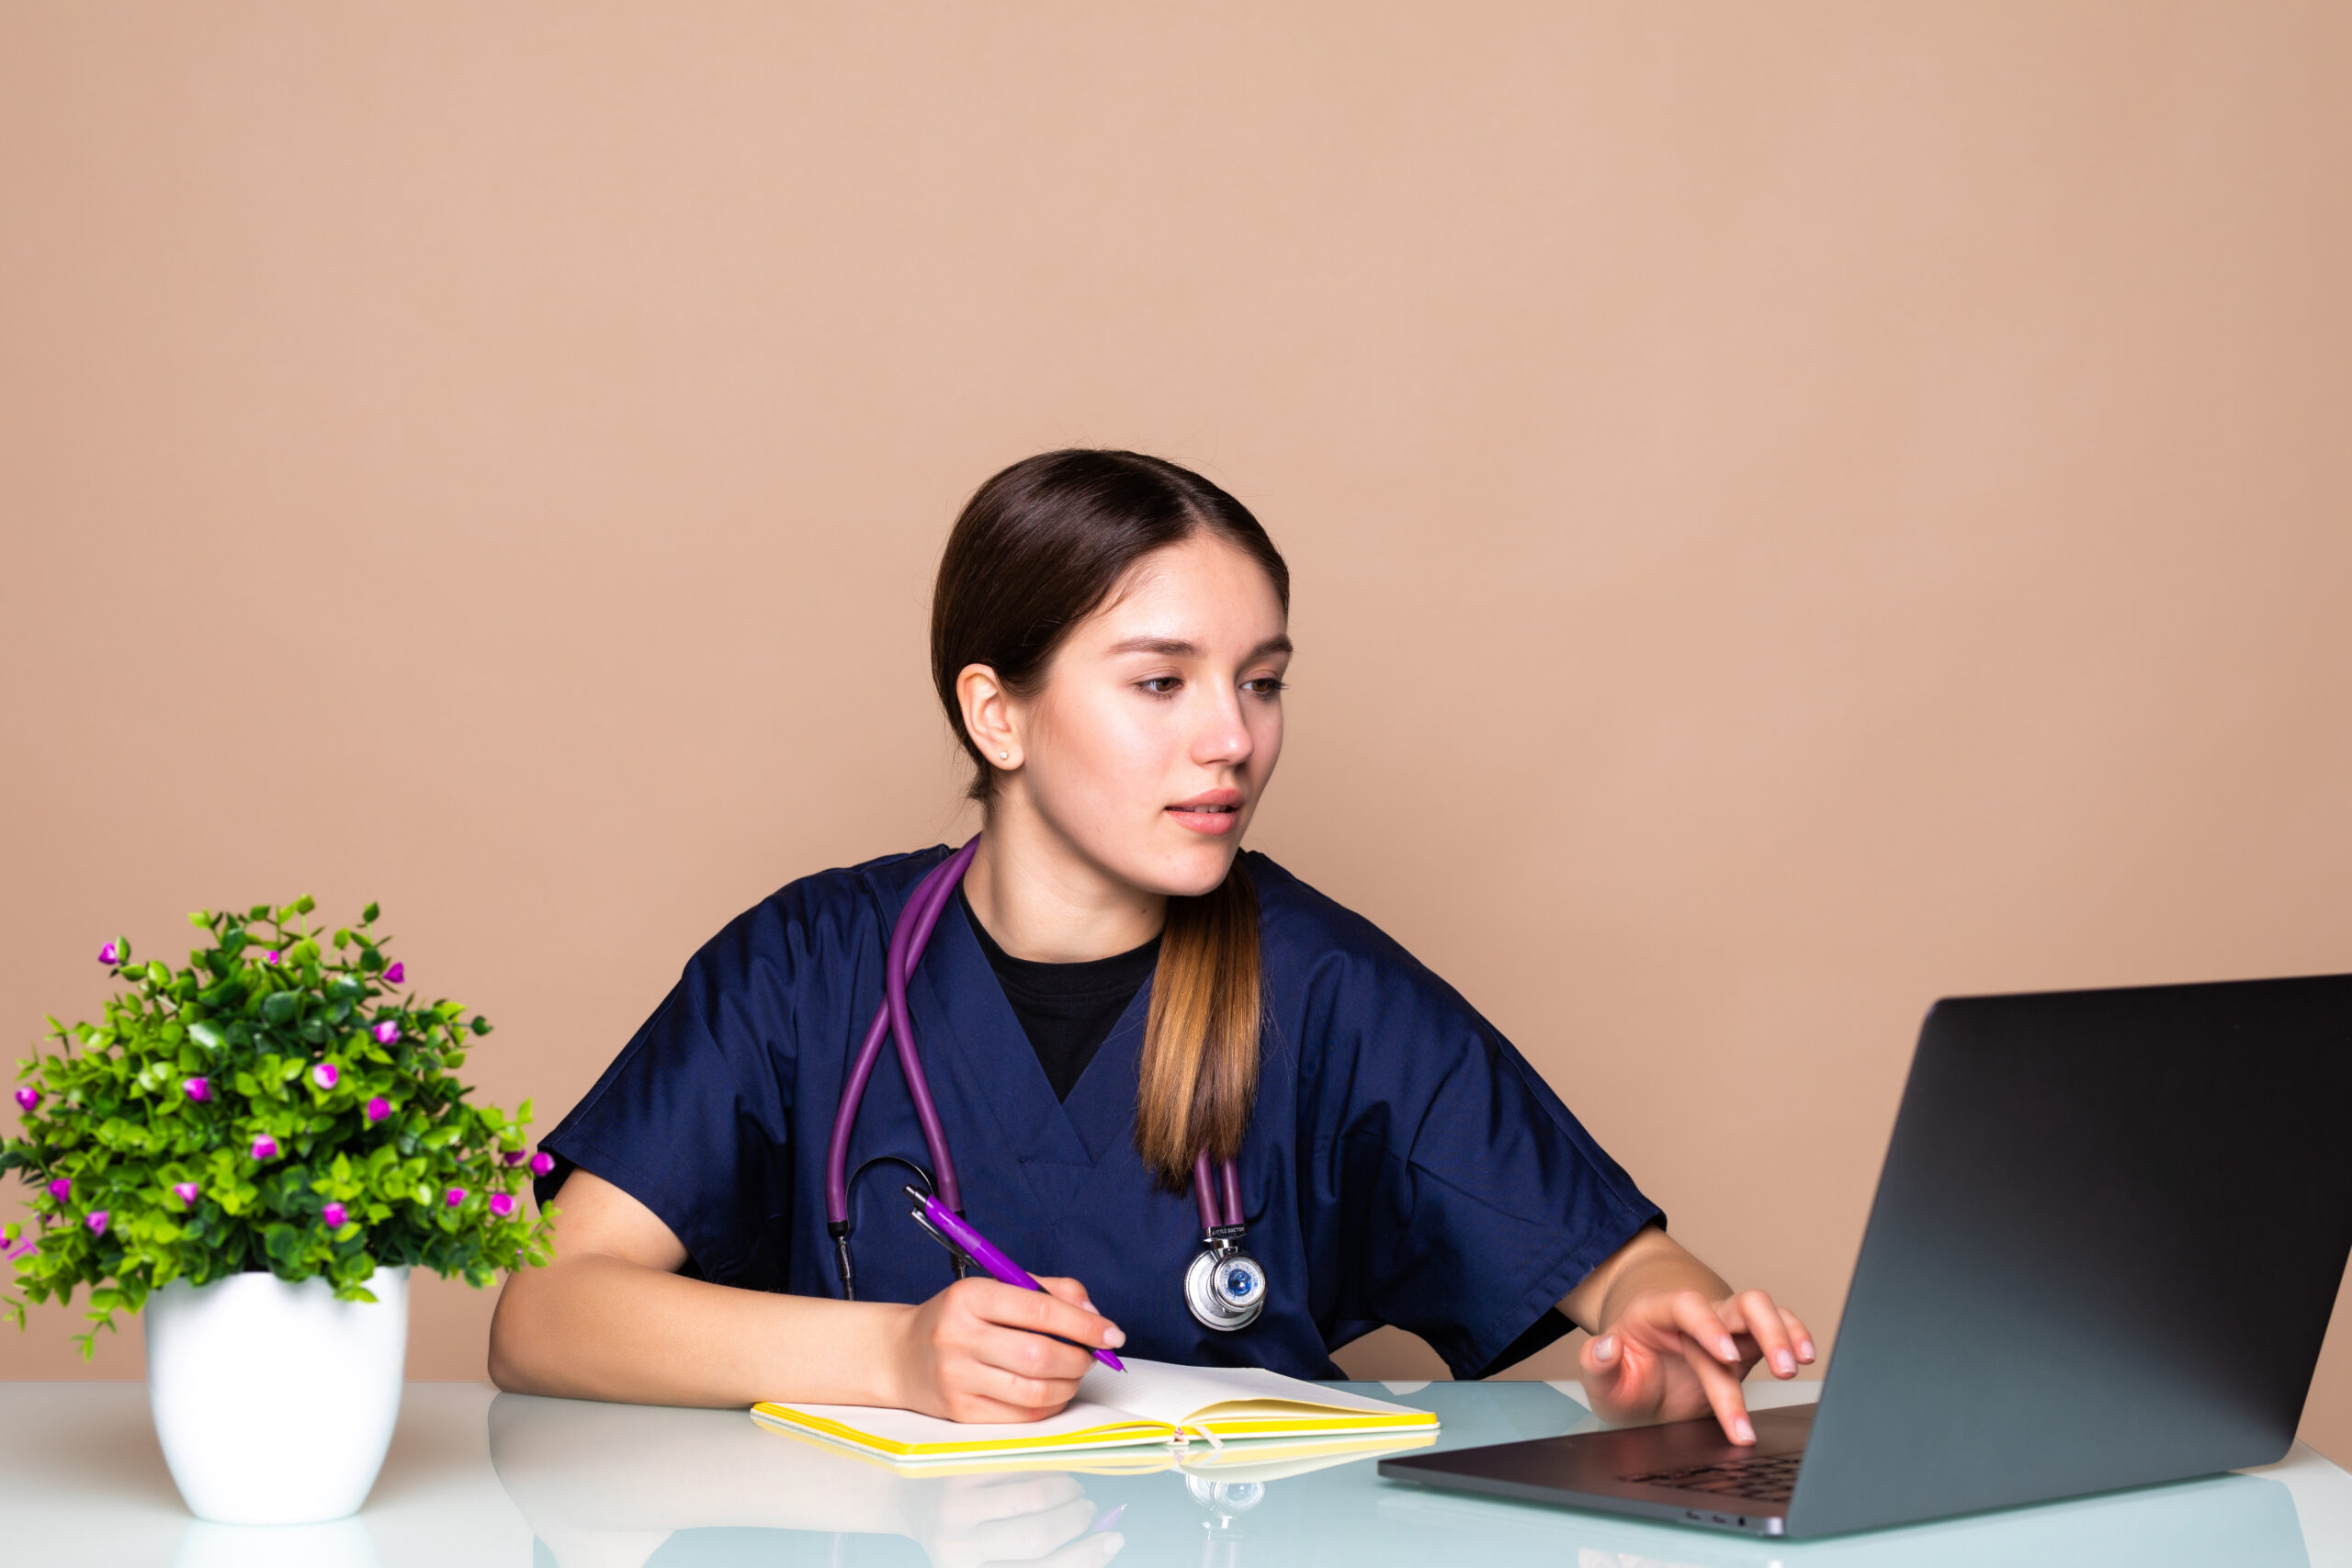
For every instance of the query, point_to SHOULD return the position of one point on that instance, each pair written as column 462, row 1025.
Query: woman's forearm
column 596, row 1326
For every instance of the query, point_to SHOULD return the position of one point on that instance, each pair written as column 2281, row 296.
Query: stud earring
column 1004, row 756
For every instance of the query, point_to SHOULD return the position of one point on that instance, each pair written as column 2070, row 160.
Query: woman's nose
column 1223, row 738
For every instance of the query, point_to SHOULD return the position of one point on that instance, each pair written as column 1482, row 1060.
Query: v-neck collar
column 980, row 1045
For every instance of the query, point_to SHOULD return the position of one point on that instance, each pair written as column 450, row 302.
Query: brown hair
column 1037, row 549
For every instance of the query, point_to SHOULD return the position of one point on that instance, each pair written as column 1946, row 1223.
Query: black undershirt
column 1067, row 1010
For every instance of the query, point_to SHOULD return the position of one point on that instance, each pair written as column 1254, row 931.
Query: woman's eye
column 1161, row 685
column 1265, row 685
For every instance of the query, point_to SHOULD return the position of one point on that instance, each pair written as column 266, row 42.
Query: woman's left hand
column 1670, row 1355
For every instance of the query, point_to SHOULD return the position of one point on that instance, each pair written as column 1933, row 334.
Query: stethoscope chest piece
column 1225, row 1287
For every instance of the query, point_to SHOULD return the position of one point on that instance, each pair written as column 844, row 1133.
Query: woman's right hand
column 982, row 1350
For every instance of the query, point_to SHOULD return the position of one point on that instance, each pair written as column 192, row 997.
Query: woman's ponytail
column 1199, row 1072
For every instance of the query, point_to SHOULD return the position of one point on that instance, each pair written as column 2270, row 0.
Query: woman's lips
column 1213, row 819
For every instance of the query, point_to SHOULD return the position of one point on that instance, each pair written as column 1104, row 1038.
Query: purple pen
column 954, row 1232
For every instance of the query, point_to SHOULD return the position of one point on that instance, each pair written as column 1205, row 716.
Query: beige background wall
column 1797, row 510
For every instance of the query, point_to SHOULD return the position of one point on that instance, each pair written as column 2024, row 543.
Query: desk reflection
column 627, row 1487
column 623, row 1486
column 620, row 1487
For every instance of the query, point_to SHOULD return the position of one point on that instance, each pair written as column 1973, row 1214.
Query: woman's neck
column 1042, row 900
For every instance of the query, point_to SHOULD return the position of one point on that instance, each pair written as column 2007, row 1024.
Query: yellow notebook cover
column 1152, row 1403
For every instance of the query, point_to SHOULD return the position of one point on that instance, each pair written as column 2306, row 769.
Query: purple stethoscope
column 1224, row 1288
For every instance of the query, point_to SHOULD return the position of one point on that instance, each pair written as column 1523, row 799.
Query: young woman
column 1112, row 1000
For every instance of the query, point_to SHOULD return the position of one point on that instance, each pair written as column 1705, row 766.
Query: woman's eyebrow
column 1178, row 647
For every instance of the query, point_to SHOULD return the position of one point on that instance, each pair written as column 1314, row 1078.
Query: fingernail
column 1805, row 1350
column 1092, row 1307
column 1111, row 1543
column 1745, row 1429
column 1113, row 1337
column 1784, row 1363
column 1605, row 1348
column 1730, row 1352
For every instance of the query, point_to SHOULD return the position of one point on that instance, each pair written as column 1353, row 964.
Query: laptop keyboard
column 1767, row 1478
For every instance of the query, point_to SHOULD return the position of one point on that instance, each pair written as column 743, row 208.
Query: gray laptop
column 2103, row 1254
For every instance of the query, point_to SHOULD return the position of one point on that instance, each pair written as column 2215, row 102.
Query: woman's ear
column 989, row 716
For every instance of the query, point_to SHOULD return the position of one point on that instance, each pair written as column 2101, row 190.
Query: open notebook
column 1150, row 1403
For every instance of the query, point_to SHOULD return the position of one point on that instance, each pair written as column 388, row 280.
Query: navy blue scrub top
column 1404, row 1164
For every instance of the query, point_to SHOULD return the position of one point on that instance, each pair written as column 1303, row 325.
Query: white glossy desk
column 475, row 1478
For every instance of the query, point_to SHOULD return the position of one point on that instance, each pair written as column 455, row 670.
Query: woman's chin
column 1188, row 871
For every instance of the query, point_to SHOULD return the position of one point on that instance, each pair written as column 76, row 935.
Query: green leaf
column 367, row 916
column 481, row 1025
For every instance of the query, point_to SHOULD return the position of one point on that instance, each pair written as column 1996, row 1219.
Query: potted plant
column 255, row 1149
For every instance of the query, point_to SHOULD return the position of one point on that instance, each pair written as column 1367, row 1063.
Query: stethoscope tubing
column 892, row 1019
column 1206, row 1192
column 908, row 940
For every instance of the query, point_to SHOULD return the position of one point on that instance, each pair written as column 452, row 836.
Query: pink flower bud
column 396, row 973
column 272, row 956
column 513, row 1157
column 541, row 1163
column 61, row 1189
column 97, row 1221
column 455, row 1196
column 27, row 1097
column 378, row 1108
column 502, row 1205
column 197, row 1089
column 110, row 955
column 335, row 1214
column 324, row 1074
column 185, row 1192
column 264, row 1148
column 386, row 1033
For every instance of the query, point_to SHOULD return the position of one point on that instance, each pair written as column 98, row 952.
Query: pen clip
column 963, row 1259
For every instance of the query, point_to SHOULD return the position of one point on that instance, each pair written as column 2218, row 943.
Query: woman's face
column 1160, row 720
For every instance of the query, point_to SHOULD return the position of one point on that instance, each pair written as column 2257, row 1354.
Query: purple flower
column 513, row 1157
column 264, row 1148
column 501, row 1203
column 110, row 955
column 396, row 973
column 378, row 1108
column 61, row 1189
column 185, row 1192
column 97, row 1221
column 272, row 956
column 386, row 1033
column 197, row 1089
column 541, row 1163
column 335, row 1214
column 324, row 1074
column 27, row 1097
column 455, row 1196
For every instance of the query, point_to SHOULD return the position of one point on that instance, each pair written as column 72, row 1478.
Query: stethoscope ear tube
column 908, row 940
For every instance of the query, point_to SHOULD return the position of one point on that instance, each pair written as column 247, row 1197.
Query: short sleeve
column 1471, row 1200
column 693, row 1117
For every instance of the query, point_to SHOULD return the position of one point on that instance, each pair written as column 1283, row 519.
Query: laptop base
column 1606, row 1472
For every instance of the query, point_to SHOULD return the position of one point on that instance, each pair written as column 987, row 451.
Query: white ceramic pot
column 275, row 1402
